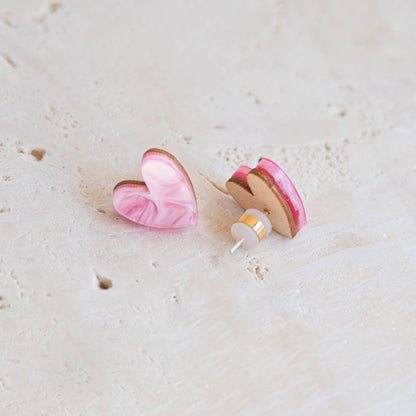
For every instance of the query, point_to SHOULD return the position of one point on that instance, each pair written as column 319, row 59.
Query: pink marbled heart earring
column 271, row 202
column 166, row 197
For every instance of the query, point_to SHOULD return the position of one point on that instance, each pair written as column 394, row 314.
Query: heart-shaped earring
column 271, row 201
column 166, row 198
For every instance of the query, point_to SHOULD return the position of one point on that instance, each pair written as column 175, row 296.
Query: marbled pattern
column 165, row 200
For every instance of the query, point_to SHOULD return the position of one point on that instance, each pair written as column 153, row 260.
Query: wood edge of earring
column 237, row 181
column 278, row 194
column 129, row 182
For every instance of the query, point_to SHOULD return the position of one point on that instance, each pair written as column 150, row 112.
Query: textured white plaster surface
column 324, row 324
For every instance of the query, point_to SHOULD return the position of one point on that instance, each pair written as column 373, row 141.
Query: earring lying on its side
column 271, row 201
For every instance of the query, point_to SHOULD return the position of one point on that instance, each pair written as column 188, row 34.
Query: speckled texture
column 323, row 324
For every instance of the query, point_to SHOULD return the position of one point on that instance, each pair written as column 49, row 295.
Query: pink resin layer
column 166, row 200
column 242, row 172
column 284, row 184
column 282, row 181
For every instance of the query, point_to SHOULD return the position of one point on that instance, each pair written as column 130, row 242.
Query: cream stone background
column 324, row 324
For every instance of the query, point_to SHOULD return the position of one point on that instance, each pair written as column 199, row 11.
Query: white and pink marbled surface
column 164, row 199
column 323, row 324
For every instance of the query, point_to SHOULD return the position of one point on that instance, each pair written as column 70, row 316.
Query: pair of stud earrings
column 166, row 199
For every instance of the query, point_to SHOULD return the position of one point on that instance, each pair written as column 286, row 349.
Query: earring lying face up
column 271, row 201
column 166, row 198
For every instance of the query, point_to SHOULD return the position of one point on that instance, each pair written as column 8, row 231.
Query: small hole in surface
column 38, row 154
column 103, row 282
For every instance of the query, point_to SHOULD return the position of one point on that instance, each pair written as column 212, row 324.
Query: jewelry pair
column 166, row 199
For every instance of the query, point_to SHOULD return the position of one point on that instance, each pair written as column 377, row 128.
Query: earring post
column 233, row 250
